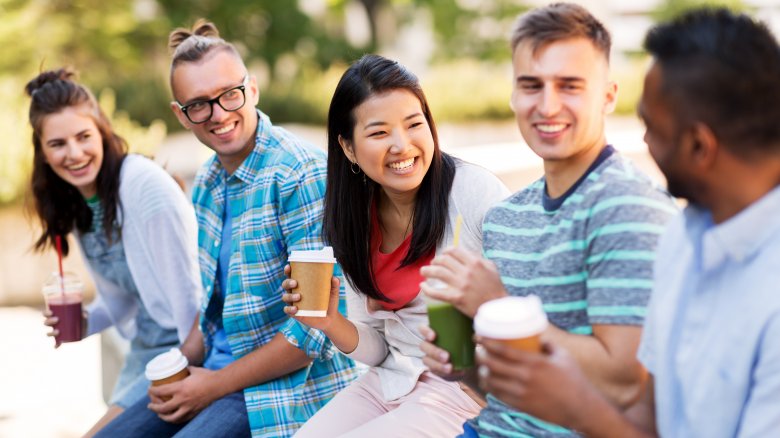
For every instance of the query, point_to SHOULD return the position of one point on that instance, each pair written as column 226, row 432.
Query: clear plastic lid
column 510, row 318
column 325, row 255
column 69, row 284
column 166, row 364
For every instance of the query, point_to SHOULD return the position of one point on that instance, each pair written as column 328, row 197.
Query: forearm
column 601, row 419
column 275, row 359
column 343, row 334
column 614, row 371
column 193, row 348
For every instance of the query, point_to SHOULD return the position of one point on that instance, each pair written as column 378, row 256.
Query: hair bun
column 200, row 28
column 46, row 77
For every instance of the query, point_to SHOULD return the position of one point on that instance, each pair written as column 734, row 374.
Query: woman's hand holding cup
column 292, row 299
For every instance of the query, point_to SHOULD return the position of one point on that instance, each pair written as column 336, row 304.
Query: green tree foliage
column 670, row 9
column 473, row 28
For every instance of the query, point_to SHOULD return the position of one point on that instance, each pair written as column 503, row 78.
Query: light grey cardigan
column 159, row 235
column 390, row 340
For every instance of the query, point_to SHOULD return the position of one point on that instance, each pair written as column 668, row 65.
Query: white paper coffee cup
column 167, row 367
column 518, row 321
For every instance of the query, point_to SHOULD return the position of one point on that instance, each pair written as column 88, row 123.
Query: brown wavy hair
column 59, row 205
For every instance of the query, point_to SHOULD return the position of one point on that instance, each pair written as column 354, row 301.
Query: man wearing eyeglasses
column 259, row 372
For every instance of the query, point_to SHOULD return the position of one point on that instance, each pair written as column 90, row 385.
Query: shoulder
column 617, row 191
column 619, row 176
column 283, row 148
column 144, row 181
column 477, row 184
column 472, row 177
column 525, row 201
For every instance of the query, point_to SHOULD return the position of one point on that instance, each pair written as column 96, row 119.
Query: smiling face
column 231, row 134
column 560, row 98
column 392, row 141
column 73, row 147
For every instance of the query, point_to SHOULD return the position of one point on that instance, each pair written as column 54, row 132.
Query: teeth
column 224, row 130
column 78, row 166
column 551, row 129
column 398, row 165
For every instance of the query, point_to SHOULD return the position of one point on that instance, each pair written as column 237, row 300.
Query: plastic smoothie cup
column 313, row 271
column 64, row 296
column 517, row 321
column 454, row 332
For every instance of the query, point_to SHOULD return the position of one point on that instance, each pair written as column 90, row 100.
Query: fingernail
column 443, row 356
column 483, row 371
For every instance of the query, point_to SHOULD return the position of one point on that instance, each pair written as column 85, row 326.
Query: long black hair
column 59, row 205
column 349, row 196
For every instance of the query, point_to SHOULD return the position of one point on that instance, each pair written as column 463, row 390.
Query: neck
column 560, row 175
column 747, row 183
column 396, row 213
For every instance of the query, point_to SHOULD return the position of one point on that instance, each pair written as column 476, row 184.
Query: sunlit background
column 297, row 50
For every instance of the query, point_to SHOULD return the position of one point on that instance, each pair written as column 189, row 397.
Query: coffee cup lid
column 325, row 255
column 166, row 364
column 510, row 318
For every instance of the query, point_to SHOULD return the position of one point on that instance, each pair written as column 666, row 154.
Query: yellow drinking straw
column 458, row 222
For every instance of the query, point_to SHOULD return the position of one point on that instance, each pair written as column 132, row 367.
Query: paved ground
column 45, row 393
column 57, row 393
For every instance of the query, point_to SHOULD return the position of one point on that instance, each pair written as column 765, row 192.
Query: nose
column 217, row 113
column 74, row 150
column 400, row 141
column 550, row 103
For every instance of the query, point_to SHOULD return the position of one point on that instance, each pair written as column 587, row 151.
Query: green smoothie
column 454, row 333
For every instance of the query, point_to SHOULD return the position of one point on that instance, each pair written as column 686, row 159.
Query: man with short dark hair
column 712, row 337
column 582, row 237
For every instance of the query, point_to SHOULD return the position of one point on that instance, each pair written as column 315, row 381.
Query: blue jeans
column 225, row 417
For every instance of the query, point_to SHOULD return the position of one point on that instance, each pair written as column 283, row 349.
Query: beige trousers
column 434, row 408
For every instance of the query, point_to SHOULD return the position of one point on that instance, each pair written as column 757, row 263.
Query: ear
column 611, row 97
column 254, row 92
column 704, row 145
column 346, row 146
column 180, row 115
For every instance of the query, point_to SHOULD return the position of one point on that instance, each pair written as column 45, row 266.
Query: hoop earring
column 352, row 167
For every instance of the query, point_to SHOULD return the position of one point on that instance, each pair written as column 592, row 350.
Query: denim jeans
column 225, row 417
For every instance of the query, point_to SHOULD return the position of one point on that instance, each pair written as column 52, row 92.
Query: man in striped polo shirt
column 582, row 237
column 710, row 340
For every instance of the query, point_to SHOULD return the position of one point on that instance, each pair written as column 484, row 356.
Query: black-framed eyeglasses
column 230, row 100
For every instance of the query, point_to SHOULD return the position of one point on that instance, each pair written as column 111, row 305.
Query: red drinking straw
column 58, row 243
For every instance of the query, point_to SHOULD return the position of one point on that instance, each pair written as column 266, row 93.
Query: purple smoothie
column 68, row 309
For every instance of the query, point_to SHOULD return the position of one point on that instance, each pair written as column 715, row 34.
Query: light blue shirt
column 712, row 334
column 220, row 355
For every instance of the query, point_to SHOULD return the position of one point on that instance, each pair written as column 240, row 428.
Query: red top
column 401, row 285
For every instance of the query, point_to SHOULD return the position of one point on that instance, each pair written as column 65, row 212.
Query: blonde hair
column 192, row 45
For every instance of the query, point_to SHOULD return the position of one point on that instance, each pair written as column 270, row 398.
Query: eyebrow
column 379, row 122
column 56, row 140
column 202, row 98
column 528, row 78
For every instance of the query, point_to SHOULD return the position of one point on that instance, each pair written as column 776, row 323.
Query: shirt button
column 216, row 243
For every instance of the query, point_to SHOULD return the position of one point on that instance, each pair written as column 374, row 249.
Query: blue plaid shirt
column 275, row 203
